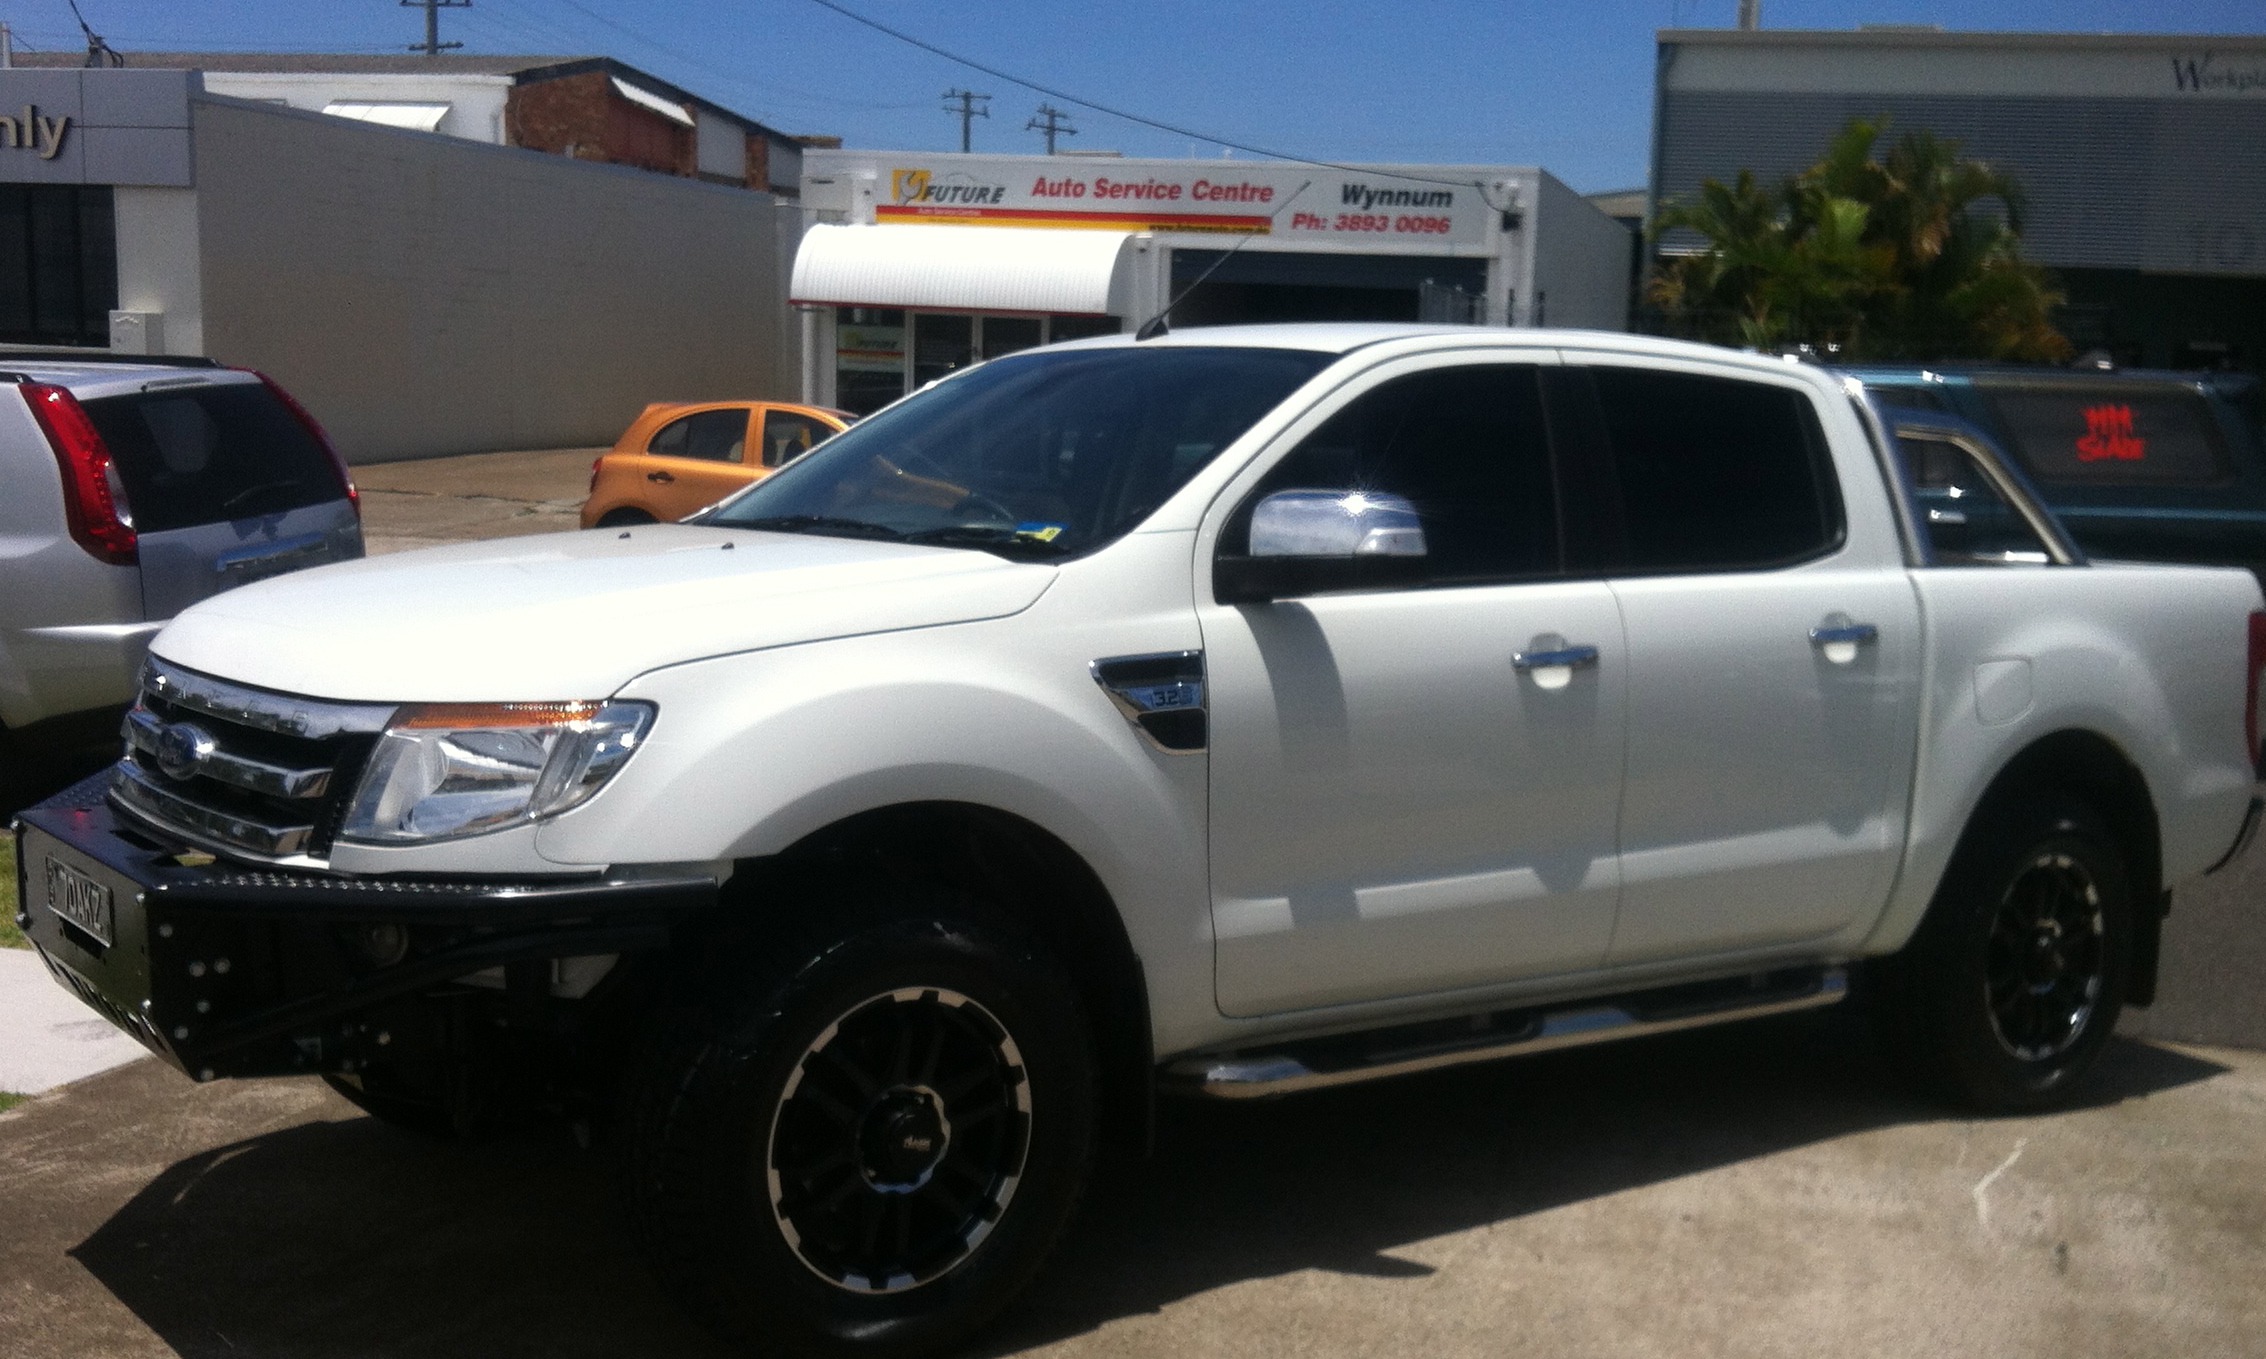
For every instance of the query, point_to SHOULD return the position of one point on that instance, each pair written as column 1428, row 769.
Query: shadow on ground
column 349, row 1238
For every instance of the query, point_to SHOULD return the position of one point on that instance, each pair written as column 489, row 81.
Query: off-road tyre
column 2008, row 993
column 864, row 1144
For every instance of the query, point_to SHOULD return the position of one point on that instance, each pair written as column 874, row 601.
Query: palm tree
column 1915, row 255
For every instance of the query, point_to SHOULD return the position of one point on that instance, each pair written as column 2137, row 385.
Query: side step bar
column 1344, row 1059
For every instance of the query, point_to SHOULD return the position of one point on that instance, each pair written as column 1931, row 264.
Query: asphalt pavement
column 1759, row 1190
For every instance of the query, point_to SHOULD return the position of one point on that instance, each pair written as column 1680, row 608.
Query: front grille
column 250, row 772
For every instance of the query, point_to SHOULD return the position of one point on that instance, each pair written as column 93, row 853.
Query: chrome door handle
column 1572, row 656
column 1859, row 633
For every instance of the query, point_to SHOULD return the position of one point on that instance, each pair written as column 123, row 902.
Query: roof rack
column 34, row 354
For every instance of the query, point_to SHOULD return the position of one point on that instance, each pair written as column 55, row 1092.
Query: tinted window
column 206, row 455
column 1465, row 446
column 1044, row 453
column 2126, row 434
column 1967, row 521
column 718, row 436
column 1716, row 474
column 787, row 436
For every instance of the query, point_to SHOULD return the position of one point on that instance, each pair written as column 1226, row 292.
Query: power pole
column 433, row 46
column 1051, row 121
column 967, row 111
column 1750, row 14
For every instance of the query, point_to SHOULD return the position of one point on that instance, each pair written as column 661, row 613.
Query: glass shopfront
column 881, row 353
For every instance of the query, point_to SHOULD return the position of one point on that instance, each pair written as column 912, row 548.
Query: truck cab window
column 1716, row 474
column 1967, row 521
column 1466, row 446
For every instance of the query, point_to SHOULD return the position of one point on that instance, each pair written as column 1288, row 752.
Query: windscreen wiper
column 814, row 523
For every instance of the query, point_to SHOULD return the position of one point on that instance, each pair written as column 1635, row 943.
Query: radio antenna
column 1159, row 324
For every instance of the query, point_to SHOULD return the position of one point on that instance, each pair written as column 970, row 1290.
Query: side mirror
column 1310, row 542
column 1335, row 524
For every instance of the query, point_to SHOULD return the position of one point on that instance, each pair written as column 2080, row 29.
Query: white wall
column 427, row 296
column 476, row 102
column 1581, row 261
column 158, row 262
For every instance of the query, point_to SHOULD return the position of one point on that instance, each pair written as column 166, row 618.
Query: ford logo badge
column 182, row 748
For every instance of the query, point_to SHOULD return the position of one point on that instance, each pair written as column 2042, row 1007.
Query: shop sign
column 1367, row 209
column 33, row 131
column 869, row 349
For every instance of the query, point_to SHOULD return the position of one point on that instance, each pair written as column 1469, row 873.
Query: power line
column 1174, row 128
column 968, row 112
column 1051, row 121
column 433, row 46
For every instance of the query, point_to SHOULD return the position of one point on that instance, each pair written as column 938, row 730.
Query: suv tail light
column 2250, row 715
column 314, row 428
column 94, row 499
column 595, row 464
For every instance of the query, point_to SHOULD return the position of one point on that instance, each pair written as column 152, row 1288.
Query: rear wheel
column 867, row 1149
column 2012, row 986
column 624, row 518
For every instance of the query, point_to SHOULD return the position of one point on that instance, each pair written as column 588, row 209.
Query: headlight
column 444, row 770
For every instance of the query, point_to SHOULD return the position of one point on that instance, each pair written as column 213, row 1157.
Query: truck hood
column 576, row 615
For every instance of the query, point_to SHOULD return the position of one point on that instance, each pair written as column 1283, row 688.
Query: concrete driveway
column 1763, row 1190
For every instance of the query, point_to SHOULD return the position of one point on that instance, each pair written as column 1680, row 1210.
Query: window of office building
column 58, row 264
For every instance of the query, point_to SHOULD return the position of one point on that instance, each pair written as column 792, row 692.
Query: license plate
column 79, row 899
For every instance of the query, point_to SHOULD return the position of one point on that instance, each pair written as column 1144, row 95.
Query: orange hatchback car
column 679, row 456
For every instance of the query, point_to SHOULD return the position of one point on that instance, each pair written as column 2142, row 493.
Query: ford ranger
column 1231, row 712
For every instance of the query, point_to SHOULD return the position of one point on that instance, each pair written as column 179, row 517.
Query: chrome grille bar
column 137, row 792
column 144, row 728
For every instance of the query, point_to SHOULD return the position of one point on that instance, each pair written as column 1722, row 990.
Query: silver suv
column 128, row 491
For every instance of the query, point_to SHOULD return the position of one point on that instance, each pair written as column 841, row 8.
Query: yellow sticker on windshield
column 1041, row 532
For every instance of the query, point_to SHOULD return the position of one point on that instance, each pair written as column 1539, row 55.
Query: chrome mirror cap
column 1339, row 524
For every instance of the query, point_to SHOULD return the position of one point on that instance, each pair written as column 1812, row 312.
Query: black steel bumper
column 227, row 971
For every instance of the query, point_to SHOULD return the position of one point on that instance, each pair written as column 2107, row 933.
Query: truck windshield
column 1034, row 455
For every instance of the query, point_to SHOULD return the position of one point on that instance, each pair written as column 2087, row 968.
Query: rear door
column 788, row 434
column 695, row 460
column 225, row 485
column 1773, row 671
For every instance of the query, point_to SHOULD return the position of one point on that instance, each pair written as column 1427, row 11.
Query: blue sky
column 1565, row 86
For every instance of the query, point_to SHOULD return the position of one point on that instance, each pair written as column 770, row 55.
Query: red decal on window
column 2108, row 434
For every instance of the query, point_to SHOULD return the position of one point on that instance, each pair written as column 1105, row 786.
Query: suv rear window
column 210, row 454
column 2120, row 435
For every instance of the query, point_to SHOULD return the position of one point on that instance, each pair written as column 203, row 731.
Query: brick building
column 589, row 108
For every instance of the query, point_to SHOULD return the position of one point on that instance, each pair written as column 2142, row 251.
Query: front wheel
column 2011, row 989
column 871, row 1149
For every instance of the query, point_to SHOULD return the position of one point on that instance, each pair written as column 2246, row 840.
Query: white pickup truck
column 1230, row 712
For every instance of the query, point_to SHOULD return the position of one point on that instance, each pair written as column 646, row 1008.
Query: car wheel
column 624, row 518
column 870, row 1147
column 2010, row 990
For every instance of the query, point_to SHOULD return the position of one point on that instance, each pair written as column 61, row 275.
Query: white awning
column 966, row 268
column 421, row 117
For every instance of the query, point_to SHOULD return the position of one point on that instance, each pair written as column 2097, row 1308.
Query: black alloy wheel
column 2048, row 956
column 899, row 1140
column 866, row 1144
column 2009, row 991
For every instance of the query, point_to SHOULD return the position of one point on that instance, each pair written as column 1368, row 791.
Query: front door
column 694, row 461
column 1773, row 673
column 1397, row 806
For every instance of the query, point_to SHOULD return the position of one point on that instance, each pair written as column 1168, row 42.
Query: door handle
column 1571, row 657
column 659, row 476
column 1859, row 633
